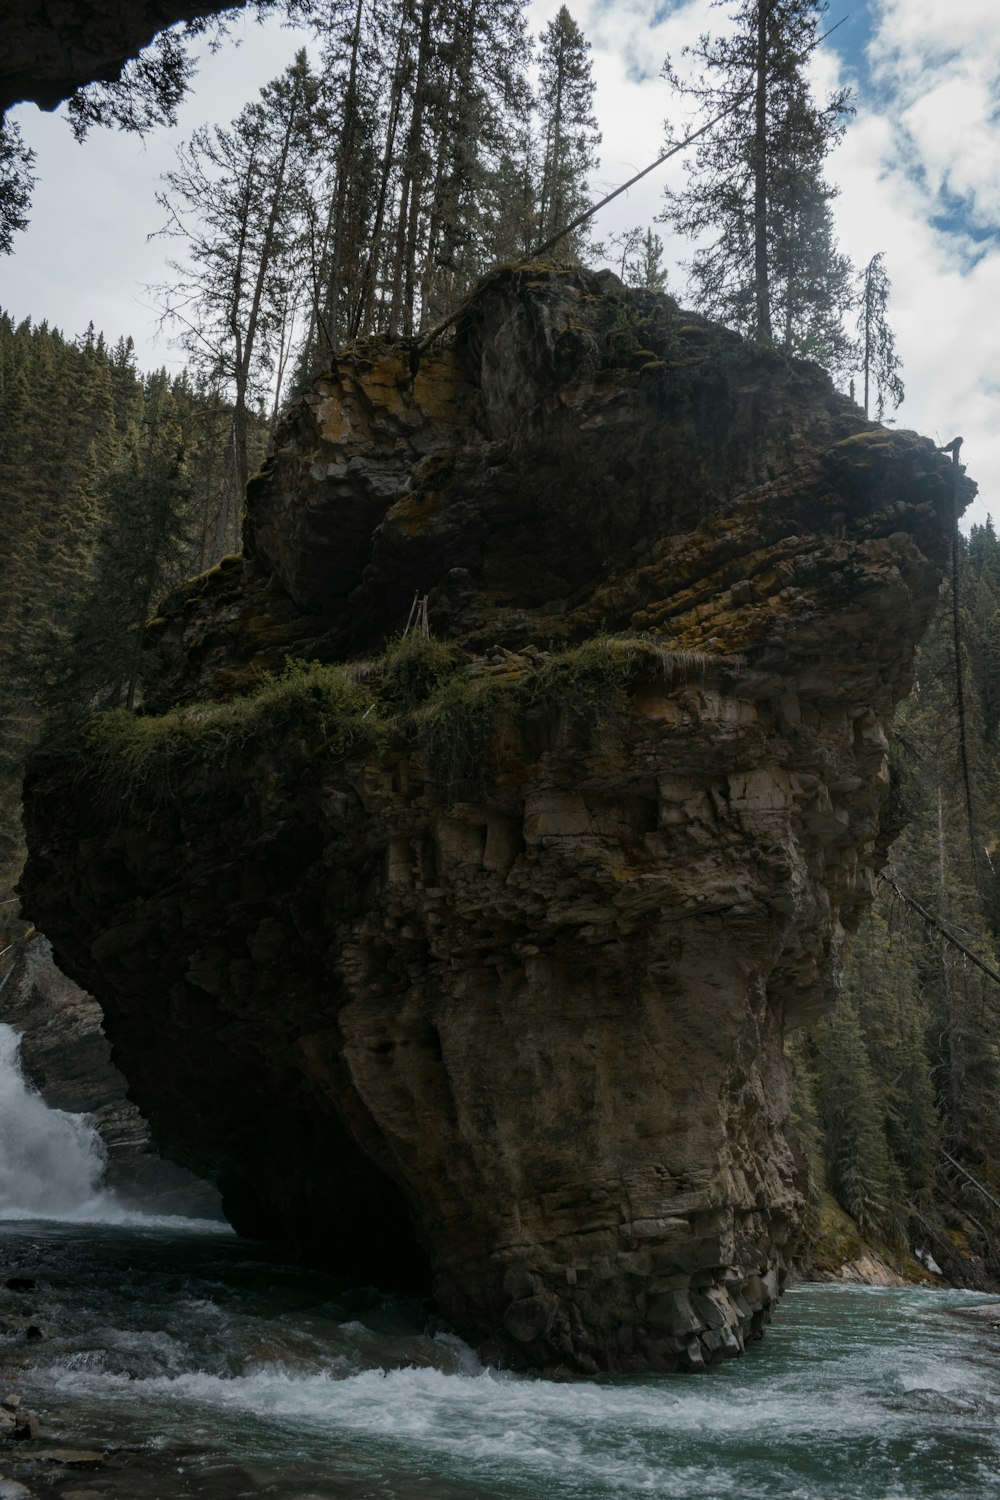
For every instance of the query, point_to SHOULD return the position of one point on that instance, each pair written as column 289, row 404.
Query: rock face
column 485, row 950
column 52, row 47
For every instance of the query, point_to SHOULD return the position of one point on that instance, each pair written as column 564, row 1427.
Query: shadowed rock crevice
column 518, row 914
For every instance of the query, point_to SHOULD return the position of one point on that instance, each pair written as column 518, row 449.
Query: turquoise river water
column 210, row 1370
column 205, row 1367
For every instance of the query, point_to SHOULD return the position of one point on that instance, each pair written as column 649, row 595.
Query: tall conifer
column 880, row 363
column 568, row 128
column 756, row 201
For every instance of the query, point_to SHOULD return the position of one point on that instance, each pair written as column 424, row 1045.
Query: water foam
column 52, row 1162
column 586, row 1439
column 826, row 1411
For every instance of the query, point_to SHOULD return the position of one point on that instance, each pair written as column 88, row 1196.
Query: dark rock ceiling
column 52, row 47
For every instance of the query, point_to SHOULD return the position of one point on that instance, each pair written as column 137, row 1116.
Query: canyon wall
column 471, row 956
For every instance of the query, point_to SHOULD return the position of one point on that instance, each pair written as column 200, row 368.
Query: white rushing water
column 314, row 1390
column 847, row 1422
column 52, row 1162
column 229, row 1375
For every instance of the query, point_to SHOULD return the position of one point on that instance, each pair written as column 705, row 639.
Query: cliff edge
column 476, row 951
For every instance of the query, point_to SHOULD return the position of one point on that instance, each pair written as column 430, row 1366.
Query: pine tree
column 638, row 256
column 467, row 97
column 756, row 186
column 57, row 426
column 877, row 346
column 422, row 103
column 509, row 195
column 144, row 546
column 102, row 475
column 650, row 272
column 863, row 1172
column 882, row 983
column 17, row 179
column 928, row 1017
column 569, row 132
column 351, row 74
column 480, row 103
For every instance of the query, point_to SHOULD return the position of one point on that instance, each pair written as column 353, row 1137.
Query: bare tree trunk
column 409, row 204
column 868, row 324
column 550, row 214
column 364, row 312
column 450, row 104
column 284, row 350
column 317, row 274
column 260, row 281
column 236, row 327
column 461, row 147
column 224, row 515
column 338, row 211
column 760, row 268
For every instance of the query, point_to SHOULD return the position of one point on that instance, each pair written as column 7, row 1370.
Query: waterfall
column 51, row 1162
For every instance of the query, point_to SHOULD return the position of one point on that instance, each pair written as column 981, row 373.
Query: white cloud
column 919, row 181
column 939, row 66
column 913, row 35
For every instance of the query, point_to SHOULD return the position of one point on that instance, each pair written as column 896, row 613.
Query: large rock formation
column 485, row 948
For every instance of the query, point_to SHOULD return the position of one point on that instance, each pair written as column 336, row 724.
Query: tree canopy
column 757, row 205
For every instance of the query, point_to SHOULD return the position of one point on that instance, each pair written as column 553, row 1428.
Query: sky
column 918, row 172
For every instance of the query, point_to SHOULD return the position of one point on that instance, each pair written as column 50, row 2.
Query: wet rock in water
column 27, row 1428
column 486, row 950
column 7, row 1425
column 20, row 1284
column 33, row 1333
column 989, row 1314
column 11, row 1401
column 70, row 1458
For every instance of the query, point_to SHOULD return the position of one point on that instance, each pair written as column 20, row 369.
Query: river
column 204, row 1367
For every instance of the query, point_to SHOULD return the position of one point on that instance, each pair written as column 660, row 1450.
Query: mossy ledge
column 467, row 961
column 419, row 696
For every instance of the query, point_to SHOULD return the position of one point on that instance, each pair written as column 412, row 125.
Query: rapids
column 206, row 1367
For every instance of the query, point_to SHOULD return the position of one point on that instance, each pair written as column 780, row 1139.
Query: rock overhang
column 541, row 996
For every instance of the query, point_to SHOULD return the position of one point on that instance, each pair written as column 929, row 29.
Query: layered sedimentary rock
column 484, row 949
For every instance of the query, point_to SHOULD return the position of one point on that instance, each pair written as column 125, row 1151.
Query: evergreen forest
column 361, row 195
column 897, row 1088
